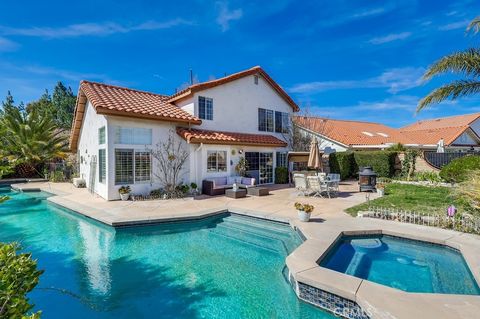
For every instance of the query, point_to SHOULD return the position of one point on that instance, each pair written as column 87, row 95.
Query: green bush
column 457, row 170
column 426, row 176
column 18, row 276
column 281, row 175
column 343, row 163
column 382, row 162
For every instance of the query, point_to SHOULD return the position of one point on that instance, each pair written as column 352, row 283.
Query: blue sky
column 341, row 59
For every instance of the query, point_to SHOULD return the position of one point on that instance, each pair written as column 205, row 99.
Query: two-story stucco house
column 115, row 130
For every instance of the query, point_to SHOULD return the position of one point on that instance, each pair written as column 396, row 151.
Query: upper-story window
column 265, row 120
column 281, row 122
column 101, row 135
column 205, row 108
column 133, row 135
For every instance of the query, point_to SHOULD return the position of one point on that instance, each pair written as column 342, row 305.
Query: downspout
column 199, row 148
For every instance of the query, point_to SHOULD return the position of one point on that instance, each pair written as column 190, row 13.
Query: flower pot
column 125, row 196
column 303, row 216
column 380, row 192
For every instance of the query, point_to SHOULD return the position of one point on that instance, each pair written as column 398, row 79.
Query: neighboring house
column 116, row 129
column 459, row 133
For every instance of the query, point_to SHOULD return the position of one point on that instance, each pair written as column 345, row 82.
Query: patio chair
column 317, row 187
column 333, row 183
column 300, row 183
column 323, row 176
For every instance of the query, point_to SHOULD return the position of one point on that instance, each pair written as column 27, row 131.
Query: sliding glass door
column 260, row 166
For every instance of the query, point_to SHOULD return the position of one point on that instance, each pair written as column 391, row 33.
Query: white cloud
column 455, row 25
column 395, row 80
column 225, row 15
column 368, row 13
column 390, row 38
column 90, row 29
column 7, row 45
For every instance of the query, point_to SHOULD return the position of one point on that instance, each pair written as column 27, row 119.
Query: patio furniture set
column 225, row 186
column 319, row 185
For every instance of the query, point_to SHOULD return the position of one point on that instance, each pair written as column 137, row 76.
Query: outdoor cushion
column 219, row 181
column 231, row 180
column 238, row 179
column 247, row 181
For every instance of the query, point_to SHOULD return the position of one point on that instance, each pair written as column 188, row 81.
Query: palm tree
column 30, row 139
column 466, row 63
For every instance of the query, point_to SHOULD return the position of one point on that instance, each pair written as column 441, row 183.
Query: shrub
column 469, row 191
column 281, row 175
column 343, row 163
column 382, row 162
column 18, row 276
column 426, row 176
column 458, row 170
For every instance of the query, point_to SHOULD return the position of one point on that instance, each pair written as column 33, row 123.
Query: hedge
column 281, row 175
column 347, row 163
column 457, row 170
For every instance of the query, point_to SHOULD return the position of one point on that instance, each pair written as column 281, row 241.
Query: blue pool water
column 223, row 267
column 404, row 264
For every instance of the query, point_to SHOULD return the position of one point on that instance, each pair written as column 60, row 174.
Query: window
column 102, row 166
column 216, row 161
column 205, row 108
column 281, row 122
column 255, row 79
column 133, row 135
column 142, row 166
column 101, row 135
column 281, row 159
column 123, row 166
column 265, row 120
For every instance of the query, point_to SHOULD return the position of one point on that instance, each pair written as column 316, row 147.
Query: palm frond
column 466, row 62
column 474, row 26
column 451, row 91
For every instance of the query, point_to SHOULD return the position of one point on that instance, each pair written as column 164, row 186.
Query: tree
column 18, row 276
column 30, row 139
column 170, row 157
column 466, row 63
column 8, row 103
column 63, row 101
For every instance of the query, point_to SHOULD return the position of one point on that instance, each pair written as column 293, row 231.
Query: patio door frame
column 263, row 172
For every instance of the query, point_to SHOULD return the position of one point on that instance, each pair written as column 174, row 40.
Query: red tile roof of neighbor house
column 257, row 70
column 426, row 132
column 231, row 138
column 114, row 100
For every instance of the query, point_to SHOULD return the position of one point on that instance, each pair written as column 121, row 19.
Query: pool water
column 222, row 267
column 404, row 264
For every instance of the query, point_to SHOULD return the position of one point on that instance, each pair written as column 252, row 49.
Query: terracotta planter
column 124, row 196
column 303, row 216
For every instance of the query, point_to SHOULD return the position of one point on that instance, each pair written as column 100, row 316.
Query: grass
column 412, row 198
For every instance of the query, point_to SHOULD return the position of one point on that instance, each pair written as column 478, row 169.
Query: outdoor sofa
column 218, row 185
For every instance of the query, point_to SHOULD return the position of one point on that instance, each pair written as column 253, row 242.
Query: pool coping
column 376, row 300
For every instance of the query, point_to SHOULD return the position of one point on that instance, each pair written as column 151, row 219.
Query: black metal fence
column 438, row 160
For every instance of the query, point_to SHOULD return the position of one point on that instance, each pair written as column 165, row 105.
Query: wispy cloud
column 395, row 80
column 368, row 13
column 7, row 45
column 225, row 15
column 390, row 38
column 454, row 26
column 91, row 29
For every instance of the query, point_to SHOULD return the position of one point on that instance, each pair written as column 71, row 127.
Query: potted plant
column 124, row 192
column 194, row 188
column 304, row 211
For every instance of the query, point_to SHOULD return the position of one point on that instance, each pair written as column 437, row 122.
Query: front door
column 260, row 166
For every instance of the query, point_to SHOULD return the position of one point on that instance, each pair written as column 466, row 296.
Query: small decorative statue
column 235, row 187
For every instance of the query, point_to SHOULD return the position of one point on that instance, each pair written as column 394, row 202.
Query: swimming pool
column 404, row 264
column 222, row 267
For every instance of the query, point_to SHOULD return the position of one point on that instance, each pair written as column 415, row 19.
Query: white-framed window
column 101, row 135
column 281, row 159
column 265, row 120
column 281, row 122
column 205, row 108
column 132, row 166
column 102, row 165
column 216, row 161
column 133, row 135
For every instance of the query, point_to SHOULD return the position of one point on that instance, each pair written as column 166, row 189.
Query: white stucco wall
column 88, row 149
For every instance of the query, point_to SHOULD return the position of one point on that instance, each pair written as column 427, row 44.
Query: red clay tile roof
column 210, row 84
column 114, row 100
column 230, row 138
column 350, row 133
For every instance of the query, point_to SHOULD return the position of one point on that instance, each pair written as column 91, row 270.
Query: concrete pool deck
column 327, row 224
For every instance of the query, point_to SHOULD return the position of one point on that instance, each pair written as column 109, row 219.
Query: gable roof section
column 230, row 138
column 350, row 133
column 189, row 91
column 448, row 128
column 114, row 100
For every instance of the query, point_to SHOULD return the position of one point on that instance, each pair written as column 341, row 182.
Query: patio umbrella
column 315, row 158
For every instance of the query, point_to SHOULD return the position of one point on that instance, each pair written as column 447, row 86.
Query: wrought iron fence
column 465, row 223
column 438, row 160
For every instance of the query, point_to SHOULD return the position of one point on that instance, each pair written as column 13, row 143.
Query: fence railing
column 438, row 160
column 465, row 223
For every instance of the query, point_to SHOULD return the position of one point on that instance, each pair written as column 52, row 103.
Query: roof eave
column 105, row 111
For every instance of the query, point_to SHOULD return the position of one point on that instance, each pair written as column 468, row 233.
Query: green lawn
column 413, row 198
